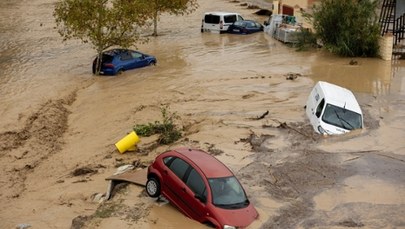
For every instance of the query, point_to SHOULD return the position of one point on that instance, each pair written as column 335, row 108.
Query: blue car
column 116, row 61
column 245, row 27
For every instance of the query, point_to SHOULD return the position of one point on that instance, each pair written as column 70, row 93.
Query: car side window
column 320, row 108
column 136, row 55
column 195, row 183
column 230, row 18
column 126, row 56
column 179, row 167
column 212, row 19
column 240, row 18
column 167, row 160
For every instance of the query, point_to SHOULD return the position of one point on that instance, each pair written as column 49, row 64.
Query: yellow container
column 128, row 142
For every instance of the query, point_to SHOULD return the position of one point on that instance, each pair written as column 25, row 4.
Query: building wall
column 293, row 7
column 297, row 4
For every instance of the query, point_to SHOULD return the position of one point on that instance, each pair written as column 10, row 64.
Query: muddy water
column 219, row 85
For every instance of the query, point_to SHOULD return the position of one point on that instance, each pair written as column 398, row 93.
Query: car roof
column 117, row 51
column 221, row 13
column 339, row 96
column 208, row 164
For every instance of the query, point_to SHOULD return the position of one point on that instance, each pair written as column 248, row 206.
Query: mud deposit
column 240, row 98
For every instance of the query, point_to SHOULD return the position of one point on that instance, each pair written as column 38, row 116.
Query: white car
column 218, row 22
column 332, row 109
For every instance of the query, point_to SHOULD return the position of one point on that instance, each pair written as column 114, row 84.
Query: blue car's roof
column 114, row 52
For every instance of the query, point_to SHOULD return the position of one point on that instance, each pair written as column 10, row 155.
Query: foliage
column 177, row 7
column 103, row 23
column 167, row 130
column 347, row 27
column 306, row 39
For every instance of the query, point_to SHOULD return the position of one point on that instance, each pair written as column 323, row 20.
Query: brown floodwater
column 217, row 84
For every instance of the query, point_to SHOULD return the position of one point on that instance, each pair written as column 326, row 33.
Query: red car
column 202, row 187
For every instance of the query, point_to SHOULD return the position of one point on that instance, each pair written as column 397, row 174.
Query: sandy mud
column 235, row 99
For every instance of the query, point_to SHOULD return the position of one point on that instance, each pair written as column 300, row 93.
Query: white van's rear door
column 211, row 23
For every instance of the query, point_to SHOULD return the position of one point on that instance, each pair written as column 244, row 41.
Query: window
column 212, row 19
column 320, row 108
column 136, row 55
column 229, row 18
column 167, row 160
column 179, row 167
column 126, row 56
column 342, row 118
column 227, row 193
column 195, row 182
column 107, row 58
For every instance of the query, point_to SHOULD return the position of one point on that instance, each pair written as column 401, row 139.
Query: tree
column 177, row 7
column 103, row 23
column 347, row 27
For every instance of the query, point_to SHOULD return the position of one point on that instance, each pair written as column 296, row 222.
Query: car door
column 126, row 60
column 139, row 59
column 174, row 188
column 316, row 118
column 211, row 23
column 195, row 194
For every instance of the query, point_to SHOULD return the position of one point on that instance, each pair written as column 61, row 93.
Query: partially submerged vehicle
column 283, row 28
column 332, row 109
column 245, row 27
column 218, row 22
column 116, row 61
column 201, row 187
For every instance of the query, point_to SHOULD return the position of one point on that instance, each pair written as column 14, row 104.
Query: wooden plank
column 137, row 177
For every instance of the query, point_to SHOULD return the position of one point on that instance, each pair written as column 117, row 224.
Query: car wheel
column 152, row 63
column 120, row 72
column 153, row 187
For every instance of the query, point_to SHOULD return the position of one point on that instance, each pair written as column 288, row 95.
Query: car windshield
column 227, row 193
column 342, row 117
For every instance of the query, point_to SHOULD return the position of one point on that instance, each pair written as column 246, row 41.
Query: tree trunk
column 98, row 63
column 155, row 21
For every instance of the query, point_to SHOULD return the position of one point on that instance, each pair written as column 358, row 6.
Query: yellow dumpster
column 128, row 142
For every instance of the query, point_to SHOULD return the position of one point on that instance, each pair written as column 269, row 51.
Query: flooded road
column 57, row 117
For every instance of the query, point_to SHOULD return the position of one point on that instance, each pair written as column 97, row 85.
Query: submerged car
column 245, row 27
column 116, row 61
column 332, row 109
column 218, row 22
column 201, row 187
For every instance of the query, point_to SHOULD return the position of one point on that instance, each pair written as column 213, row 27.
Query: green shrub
column 306, row 39
column 167, row 130
column 347, row 27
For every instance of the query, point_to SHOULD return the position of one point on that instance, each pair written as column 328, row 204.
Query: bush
column 306, row 39
column 347, row 27
column 167, row 130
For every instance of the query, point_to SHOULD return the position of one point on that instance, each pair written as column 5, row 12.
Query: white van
column 333, row 109
column 218, row 22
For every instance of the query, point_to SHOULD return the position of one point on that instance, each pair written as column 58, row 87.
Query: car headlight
column 229, row 227
column 321, row 130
